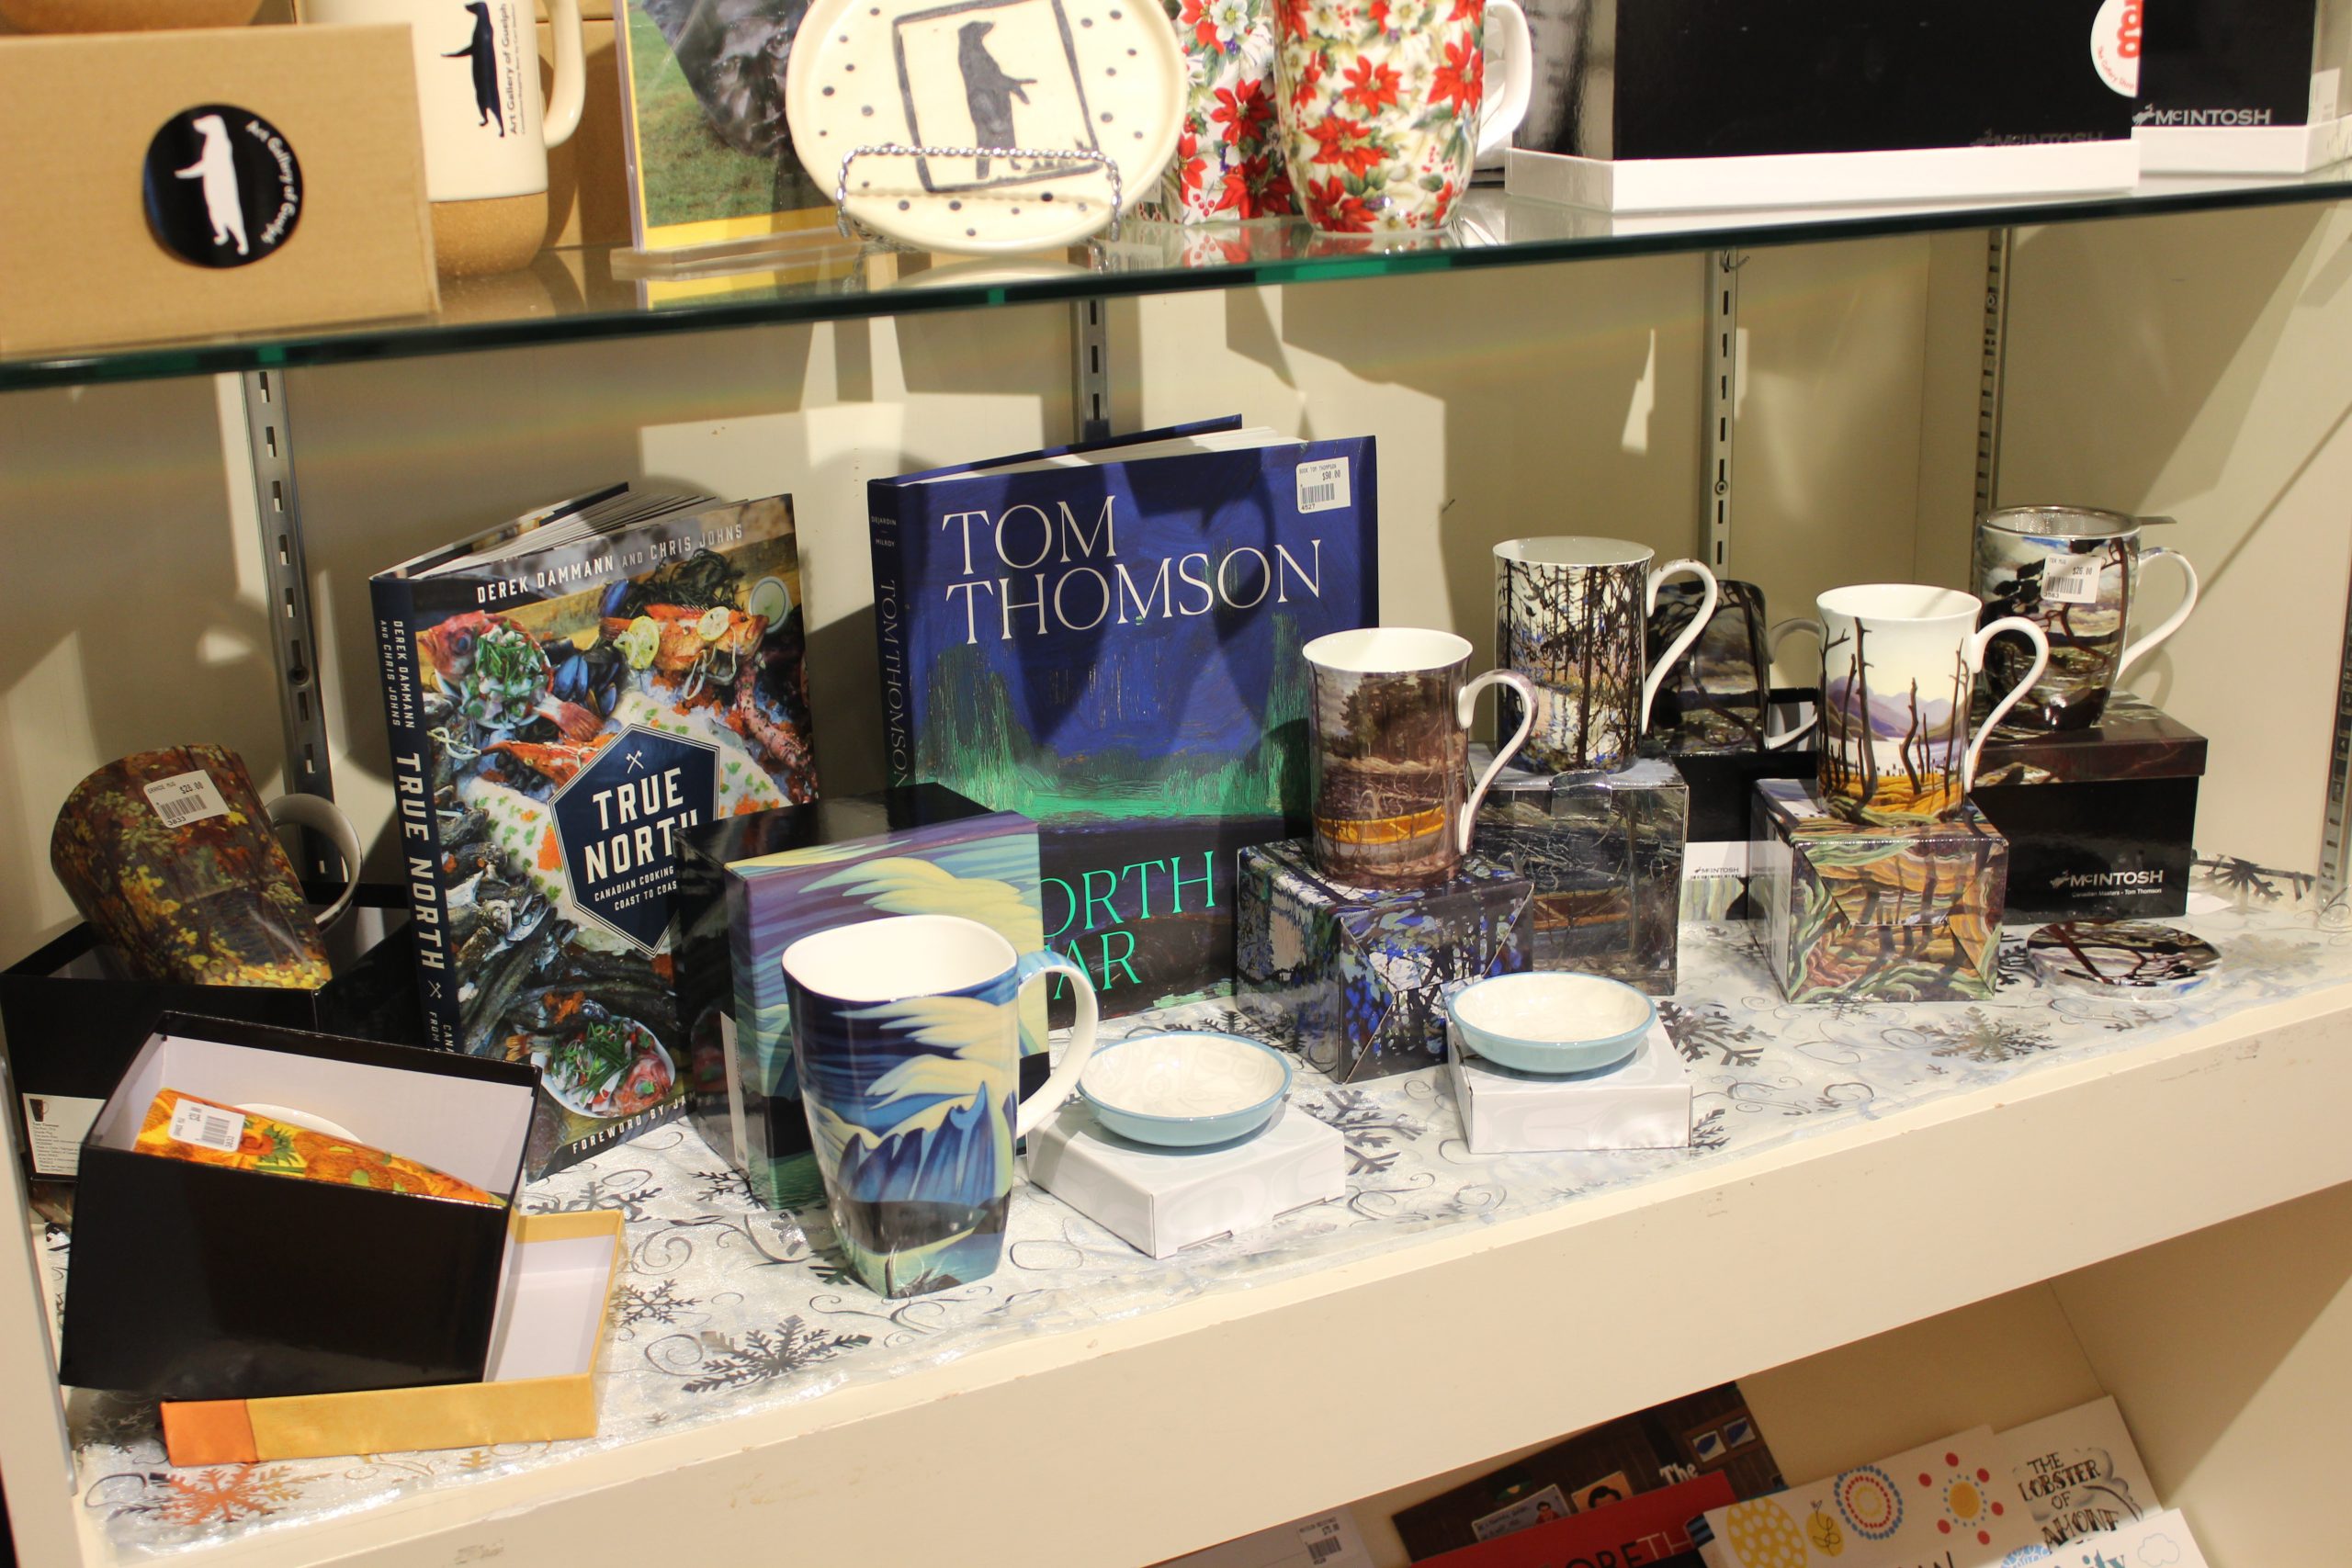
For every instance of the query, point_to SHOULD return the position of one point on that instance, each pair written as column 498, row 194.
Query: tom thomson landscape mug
column 906, row 1033
column 1720, row 697
column 1390, row 753
column 2075, row 573
column 1572, row 615
column 1899, row 663
column 478, row 96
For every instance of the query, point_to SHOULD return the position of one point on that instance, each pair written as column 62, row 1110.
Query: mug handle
column 570, row 91
column 2148, row 643
column 1063, row 1081
column 1500, row 116
column 1465, row 708
column 321, row 815
column 1973, row 650
column 1690, row 633
column 1773, row 641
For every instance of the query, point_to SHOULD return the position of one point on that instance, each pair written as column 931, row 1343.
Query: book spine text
column 890, row 641
column 416, row 831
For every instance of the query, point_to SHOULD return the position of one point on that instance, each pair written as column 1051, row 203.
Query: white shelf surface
column 1131, row 1440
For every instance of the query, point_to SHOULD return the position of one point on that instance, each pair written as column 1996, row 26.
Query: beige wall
column 2194, row 365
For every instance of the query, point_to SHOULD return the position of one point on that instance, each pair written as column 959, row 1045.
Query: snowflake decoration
column 2012, row 968
column 227, row 1492
column 1697, row 1031
column 1366, row 1125
column 624, row 1189
column 2246, row 883
column 653, row 1303
column 1711, row 1131
column 731, row 1185
column 766, row 1354
column 1981, row 1037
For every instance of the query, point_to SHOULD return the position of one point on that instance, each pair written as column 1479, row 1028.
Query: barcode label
column 1323, row 487
column 1323, row 1540
column 2071, row 580
column 187, row 797
column 1322, row 1550
column 207, row 1126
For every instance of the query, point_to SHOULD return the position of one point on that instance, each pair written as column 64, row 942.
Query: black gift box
column 2234, row 63
column 71, row 1019
column 2099, row 821
column 205, row 1282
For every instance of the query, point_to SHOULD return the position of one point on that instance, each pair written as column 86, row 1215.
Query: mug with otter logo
column 486, row 139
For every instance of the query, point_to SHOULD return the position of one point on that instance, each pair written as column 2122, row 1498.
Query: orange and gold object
column 183, row 1126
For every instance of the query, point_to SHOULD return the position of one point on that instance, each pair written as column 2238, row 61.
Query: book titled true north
column 567, row 694
column 1106, row 639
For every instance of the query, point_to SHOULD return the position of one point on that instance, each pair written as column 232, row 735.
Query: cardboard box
column 540, row 1386
column 204, row 1281
column 1164, row 1201
column 1604, row 854
column 79, row 267
column 1722, row 792
column 750, row 887
column 2100, row 822
column 1359, row 973
column 1642, row 1103
column 70, row 1019
column 1890, row 914
column 2242, row 87
column 1673, row 105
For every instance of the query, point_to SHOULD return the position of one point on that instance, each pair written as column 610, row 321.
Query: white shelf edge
column 1237, row 1410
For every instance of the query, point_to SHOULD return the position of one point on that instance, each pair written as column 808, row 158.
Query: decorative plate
column 2126, row 955
column 1095, row 76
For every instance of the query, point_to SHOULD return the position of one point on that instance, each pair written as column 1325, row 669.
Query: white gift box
column 1642, row 1103
column 1165, row 1200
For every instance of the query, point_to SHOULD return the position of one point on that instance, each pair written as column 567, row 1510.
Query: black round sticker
column 223, row 188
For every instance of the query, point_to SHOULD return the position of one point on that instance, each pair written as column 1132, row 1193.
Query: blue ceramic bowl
column 1551, row 1023
column 1185, row 1090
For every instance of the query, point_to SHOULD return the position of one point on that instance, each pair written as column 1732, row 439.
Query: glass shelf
column 601, row 292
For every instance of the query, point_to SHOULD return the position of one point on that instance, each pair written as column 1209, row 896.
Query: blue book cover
column 1106, row 639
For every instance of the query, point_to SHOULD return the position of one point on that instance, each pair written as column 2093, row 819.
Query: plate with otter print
column 1007, row 83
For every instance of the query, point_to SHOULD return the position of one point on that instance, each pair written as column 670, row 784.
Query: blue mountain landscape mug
column 906, row 1033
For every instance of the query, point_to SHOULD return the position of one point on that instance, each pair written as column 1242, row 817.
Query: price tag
column 1323, row 487
column 2071, row 580
column 1322, row 1539
column 187, row 797
column 207, row 1127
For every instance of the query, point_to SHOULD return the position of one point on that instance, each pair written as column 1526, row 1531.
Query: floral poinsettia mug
column 1386, row 106
column 1228, row 165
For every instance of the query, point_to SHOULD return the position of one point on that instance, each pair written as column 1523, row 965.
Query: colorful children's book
column 2160, row 1541
column 1654, row 1530
column 1944, row 1505
column 565, row 693
column 1106, row 639
column 2079, row 1473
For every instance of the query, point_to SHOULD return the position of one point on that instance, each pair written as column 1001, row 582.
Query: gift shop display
column 1384, row 117
column 1604, row 852
column 2099, row 821
column 1389, row 771
column 751, row 886
column 2076, row 574
column 1951, row 1502
column 567, row 694
column 990, row 127
column 1899, row 666
column 1661, row 106
column 1106, row 640
column 1571, row 615
column 906, row 1034
column 1358, row 975
column 486, row 133
column 261, row 1212
column 1720, row 698
column 2242, row 87
column 1909, row 912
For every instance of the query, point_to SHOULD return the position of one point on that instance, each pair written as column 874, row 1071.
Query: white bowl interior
column 1552, row 1008
column 1182, row 1075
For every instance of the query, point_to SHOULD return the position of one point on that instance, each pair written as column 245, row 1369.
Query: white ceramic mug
column 1899, row 663
column 486, row 139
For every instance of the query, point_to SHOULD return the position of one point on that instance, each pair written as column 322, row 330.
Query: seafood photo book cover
column 567, row 694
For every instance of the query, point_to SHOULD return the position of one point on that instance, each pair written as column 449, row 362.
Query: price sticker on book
column 2071, row 580
column 207, row 1127
column 1322, row 1539
column 1323, row 487
column 187, row 797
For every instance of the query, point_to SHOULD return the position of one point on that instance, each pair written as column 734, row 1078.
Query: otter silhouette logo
column 990, row 75
column 484, row 51
column 222, row 186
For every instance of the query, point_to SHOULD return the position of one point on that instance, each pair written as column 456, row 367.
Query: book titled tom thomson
column 1106, row 639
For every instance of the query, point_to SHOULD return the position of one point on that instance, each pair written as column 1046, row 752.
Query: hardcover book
column 567, row 694
column 2080, row 1472
column 1944, row 1505
column 1658, row 1529
column 1106, row 639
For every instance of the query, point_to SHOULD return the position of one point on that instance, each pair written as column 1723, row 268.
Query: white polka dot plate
column 1097, row 77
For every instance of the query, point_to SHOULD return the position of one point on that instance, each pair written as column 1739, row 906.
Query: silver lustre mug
column 2075, row 573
